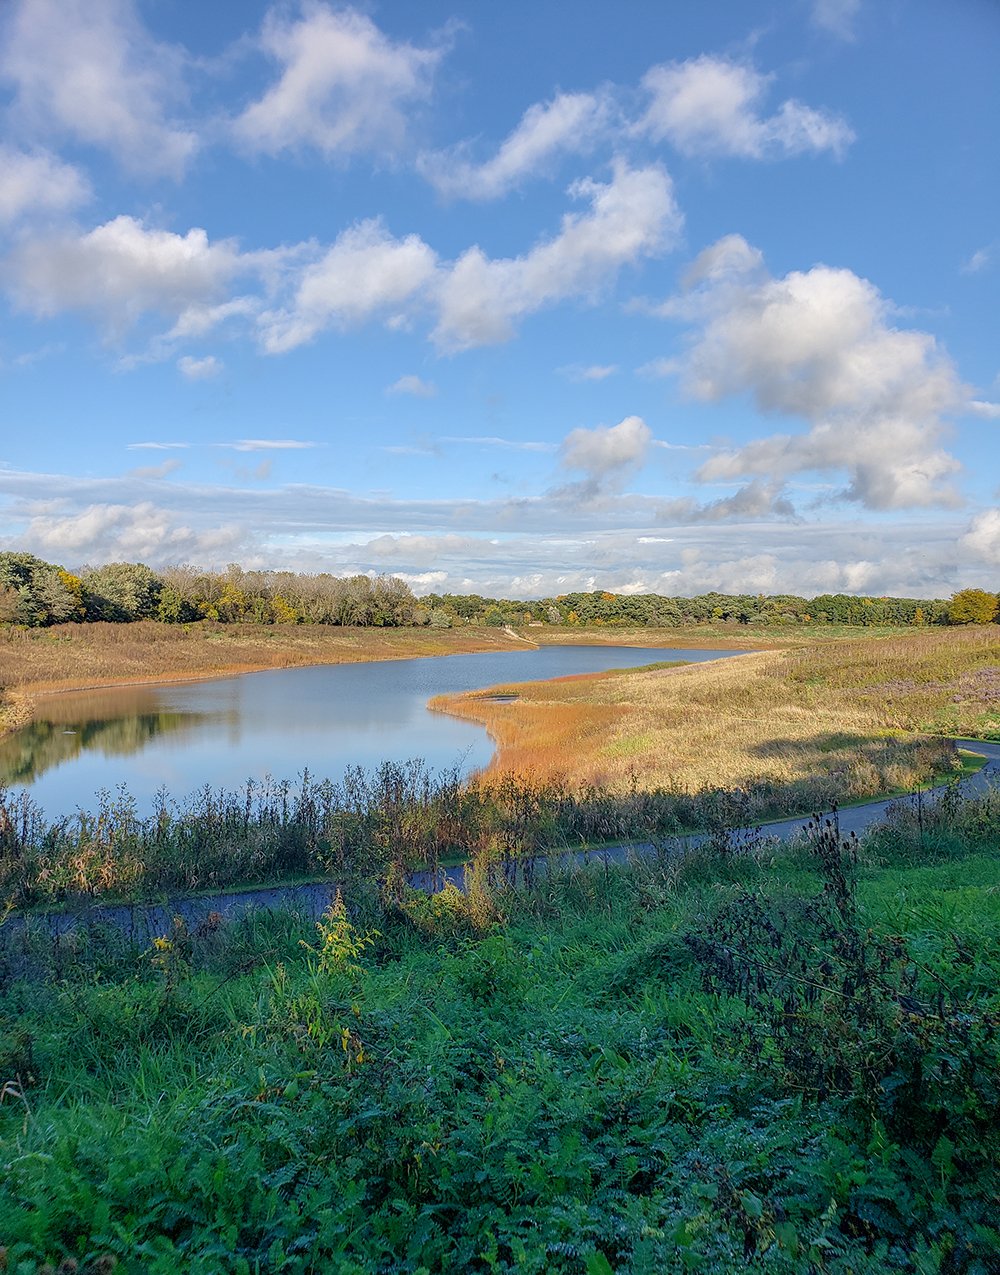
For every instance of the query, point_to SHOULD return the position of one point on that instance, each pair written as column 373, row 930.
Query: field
column 852, row 712
column 783, row 1062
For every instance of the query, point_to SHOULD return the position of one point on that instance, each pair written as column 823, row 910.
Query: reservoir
column 324, row 719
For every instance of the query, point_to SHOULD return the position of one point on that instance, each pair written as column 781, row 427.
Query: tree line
column 35, row 593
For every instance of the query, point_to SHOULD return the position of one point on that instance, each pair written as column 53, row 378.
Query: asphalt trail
column 142, row 922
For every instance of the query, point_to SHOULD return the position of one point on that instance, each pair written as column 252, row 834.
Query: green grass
column 548, row 1080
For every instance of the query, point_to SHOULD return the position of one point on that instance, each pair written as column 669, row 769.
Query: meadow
column 784, row 1060
column 846, row 718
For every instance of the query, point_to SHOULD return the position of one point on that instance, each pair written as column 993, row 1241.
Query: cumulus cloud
column 344, row 86
column 419, row 551
column 121, row 270
column 606, row 455
column 751, row 503
column 87, row 69
column 414, row 385
column 369, row 273
column 818, row 344
column 199, row 369
column 530, row 546
column 982, row 539
column 35, row 181
column 569, row 123
column 366, row 273
column 131, row 533
column 712, row 106
column 631, row 217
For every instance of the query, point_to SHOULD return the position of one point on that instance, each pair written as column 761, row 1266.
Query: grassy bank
column 844, row 710
column 778, row 1064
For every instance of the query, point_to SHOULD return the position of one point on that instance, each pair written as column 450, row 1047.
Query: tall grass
column 846, row 713
column 589, row 1078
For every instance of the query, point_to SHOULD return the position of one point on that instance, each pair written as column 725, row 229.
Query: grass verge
column 783, row 1064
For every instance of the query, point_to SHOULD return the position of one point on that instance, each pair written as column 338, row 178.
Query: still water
column 279, row 723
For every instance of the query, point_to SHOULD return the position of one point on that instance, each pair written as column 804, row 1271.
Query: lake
column 324, row 718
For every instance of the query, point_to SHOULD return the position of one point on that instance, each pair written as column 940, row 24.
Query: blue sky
column 515, row 299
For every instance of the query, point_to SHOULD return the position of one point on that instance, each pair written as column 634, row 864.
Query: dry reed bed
column 847, row 711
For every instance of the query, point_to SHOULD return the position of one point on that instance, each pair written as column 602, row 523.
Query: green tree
column 122, row 591
column 972, row 606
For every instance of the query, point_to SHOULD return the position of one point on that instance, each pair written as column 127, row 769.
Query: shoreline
column 21, row 701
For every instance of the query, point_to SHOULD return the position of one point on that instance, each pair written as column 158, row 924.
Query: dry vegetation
column 855, row 710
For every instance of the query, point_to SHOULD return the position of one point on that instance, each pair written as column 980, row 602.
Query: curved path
column 143, row 921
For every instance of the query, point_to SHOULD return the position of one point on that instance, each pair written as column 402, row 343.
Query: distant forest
column 35, row 593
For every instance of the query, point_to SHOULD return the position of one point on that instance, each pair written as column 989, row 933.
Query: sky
column 515, row 299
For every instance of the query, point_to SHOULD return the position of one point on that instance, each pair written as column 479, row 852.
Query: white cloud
column 131, row 533
column 121, row 270
column 987, row 411
column 199, row 369
column 419, row 551
column 163, row 470
column 731, row 255
column 413, row 385
column 710, row 105
column 529, row 546
column 569, row 123
column 818, row 344
column 422, row 582
column 983, row 538
column 198, row 319
column 367, row 272
column 268, row 445
column 606, row 455
column 344, row 85
column 37, row 182
column 156, row 447
column 633, row 216
column 591, row 372
column 87, row 69
column 757, row 500
column 836, row 16
column 980, row 260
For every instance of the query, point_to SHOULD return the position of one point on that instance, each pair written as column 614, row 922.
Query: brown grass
column 850, row 709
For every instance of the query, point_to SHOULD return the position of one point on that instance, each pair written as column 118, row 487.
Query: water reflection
column 182, row 736
column 113, row 723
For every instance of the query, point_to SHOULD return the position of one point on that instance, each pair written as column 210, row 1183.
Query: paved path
column 142, row 922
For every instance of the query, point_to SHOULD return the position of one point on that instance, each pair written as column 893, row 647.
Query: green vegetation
column 396, row 820
column 38, row 593
column 777, row 1061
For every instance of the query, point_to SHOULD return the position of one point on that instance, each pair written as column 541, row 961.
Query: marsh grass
column 840, row 717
